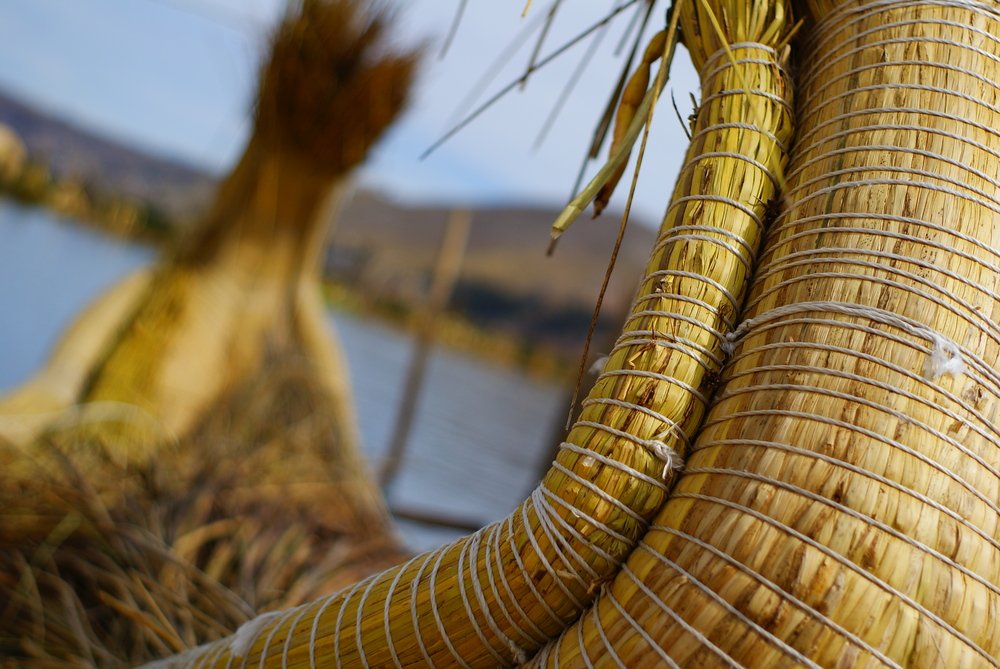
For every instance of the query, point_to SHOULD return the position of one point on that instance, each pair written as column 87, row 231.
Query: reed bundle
column 497, row 596
column 841, row 506
column 208, row 466
column 329, row 90
column 107, row 561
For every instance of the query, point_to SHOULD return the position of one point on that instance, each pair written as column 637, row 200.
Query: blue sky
column 177, row 77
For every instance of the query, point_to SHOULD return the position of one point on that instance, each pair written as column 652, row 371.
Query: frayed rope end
column 946, row 358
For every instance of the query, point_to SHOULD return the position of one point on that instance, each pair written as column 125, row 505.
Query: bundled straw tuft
column 109, row 562
column 331, row 121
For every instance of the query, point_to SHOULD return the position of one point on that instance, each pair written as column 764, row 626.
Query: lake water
column 480, row 430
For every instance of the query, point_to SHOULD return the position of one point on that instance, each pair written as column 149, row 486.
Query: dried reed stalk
column 495, row 597
column 95, row 548
column 841, row 506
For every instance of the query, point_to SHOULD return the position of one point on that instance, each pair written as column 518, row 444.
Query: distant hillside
column 386, row 249
column 108, row 166
column 506, row 280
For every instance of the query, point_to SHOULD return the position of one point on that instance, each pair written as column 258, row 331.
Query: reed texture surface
column 841, row 506
column 497, row 596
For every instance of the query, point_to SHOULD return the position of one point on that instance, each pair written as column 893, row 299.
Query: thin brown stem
column 453, row 29
column 661, row 78
column 512, row 85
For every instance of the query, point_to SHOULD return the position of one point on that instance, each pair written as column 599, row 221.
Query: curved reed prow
column 198, row 458
column 496, row 597
column 841, row 506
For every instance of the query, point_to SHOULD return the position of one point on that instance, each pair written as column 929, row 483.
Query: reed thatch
column 496, row 597
column 208, row 466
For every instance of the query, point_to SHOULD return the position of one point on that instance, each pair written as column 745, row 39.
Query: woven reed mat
column 841, row 506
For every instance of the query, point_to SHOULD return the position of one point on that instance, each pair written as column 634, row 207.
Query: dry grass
column 109, row 562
